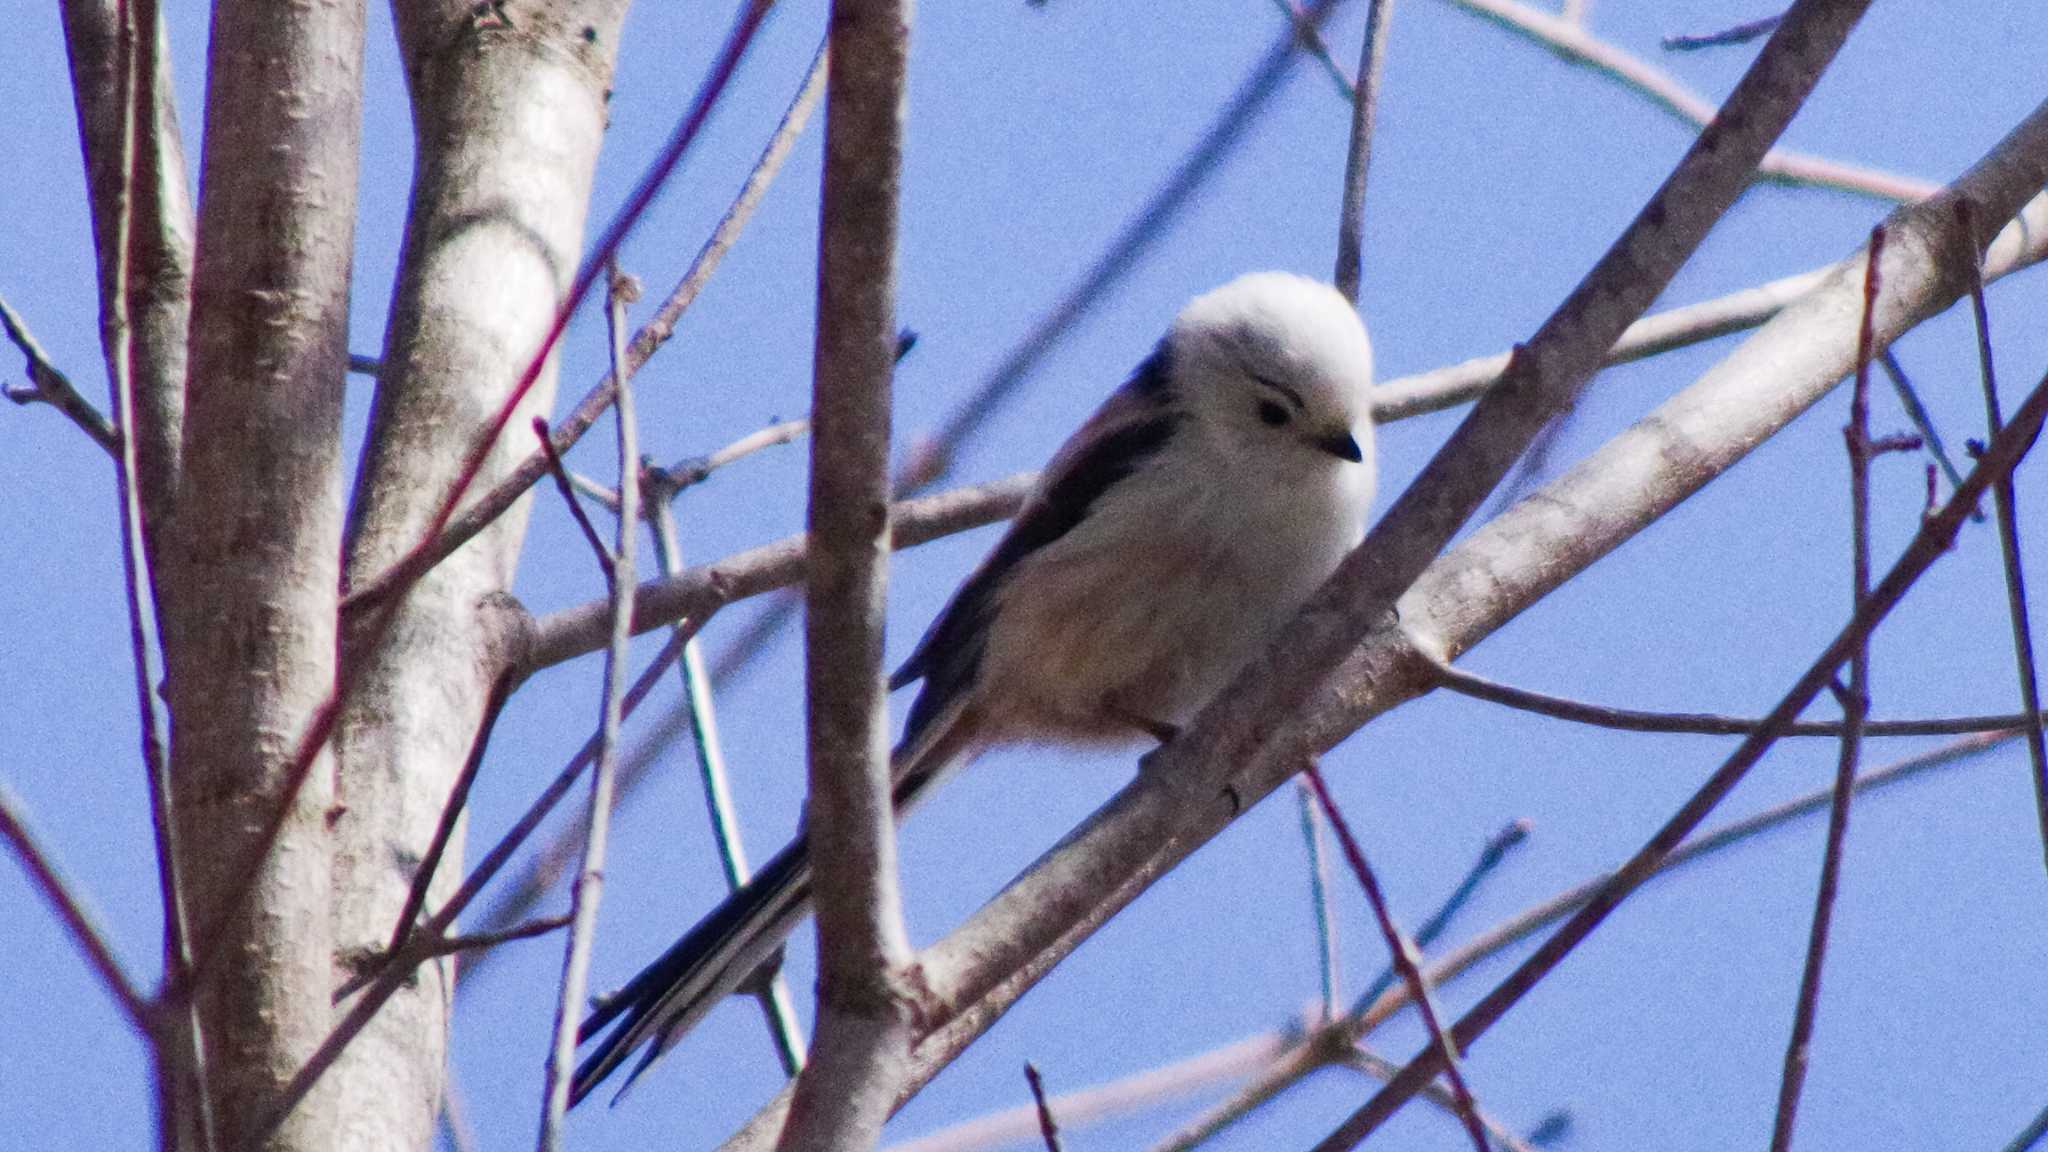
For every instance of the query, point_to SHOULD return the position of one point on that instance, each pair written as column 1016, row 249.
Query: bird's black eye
column 1272, row 414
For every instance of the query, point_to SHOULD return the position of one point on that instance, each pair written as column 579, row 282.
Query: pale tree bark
column 159, row 270
column 862, row 1046
column 508, row 120
column 251, row 583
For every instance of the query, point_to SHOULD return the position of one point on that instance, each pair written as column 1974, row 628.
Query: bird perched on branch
column 1167, row 541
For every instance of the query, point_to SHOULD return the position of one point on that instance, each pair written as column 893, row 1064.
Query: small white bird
column 1170, row 537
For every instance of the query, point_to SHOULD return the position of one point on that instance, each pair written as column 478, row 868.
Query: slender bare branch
column 1048, row 1129
column 2006, row 501
column 91, row 942
column 47, row 385
column 1407, row 961
column 1696, row 723
column 1855, row 701
column 568, row 489
column 1739, row 34
column 617, row 563
column 699, row 591
column 777, row 1010
column 135, row 178
column 1935, row 536
column 1573, row 42
column 1327, row 955
column 1365, row 99
column 1379, row 1067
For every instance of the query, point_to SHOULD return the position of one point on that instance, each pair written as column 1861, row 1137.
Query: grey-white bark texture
column 508, row 120
column 864, row 1031
column 160, row 224
column 250, row 588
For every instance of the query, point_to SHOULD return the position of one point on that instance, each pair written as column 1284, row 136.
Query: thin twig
column 1406, row 961
column 568, row 490
column 1491, row 857
column 1855, row 700
column 1464, row 683
column 478, row 941
column 1574, row 43
column 671, row 481
column 1372, row 58
column 447, row 534
column 1739, row 34
column 47, row 385
column 1933, row 539
column 1312, row 42
column 189, row 1085
column 1148, row 1088
column 1265, row 1051
column 1319, row 898
column 2031, row 1134
column 1047, row 1128
column 451, row 815
column 71, row 910
column 1923, row 421
column 1379, row 1067
column 618, row 573
column 776, row 1007
column 2006, row 500
column 1337, row 1037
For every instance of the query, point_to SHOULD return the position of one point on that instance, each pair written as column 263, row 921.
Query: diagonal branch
column 1936, row 535
column 1229, row 740
column 69, row 909
column 1499, row 571
column 47, row 385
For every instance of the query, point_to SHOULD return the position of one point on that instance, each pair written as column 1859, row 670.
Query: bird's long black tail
column 723, row 951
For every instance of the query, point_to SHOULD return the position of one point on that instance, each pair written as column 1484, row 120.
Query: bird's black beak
column 1342, row 445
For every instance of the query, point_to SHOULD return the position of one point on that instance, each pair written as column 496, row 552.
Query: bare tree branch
column 776, row 1007
column 1936, row 535
column 1855, row 701
column 1407, row 961
column 1238, row 734
column 1698, row 723
column 861, row 1046
column 2007, row 502
column 156, row 256
column 618, row 574
column 488, row 508
column 1494, row 574
column 47, row 385
column 70, row 910
column 250, row 634
column 1365, row 101
column 1570, row 39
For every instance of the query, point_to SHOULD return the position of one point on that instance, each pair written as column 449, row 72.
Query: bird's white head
column 1276, row 368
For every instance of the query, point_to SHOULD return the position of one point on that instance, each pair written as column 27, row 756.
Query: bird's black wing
column 1130, row 427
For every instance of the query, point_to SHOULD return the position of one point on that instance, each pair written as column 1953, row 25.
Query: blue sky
column 1499, row 176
